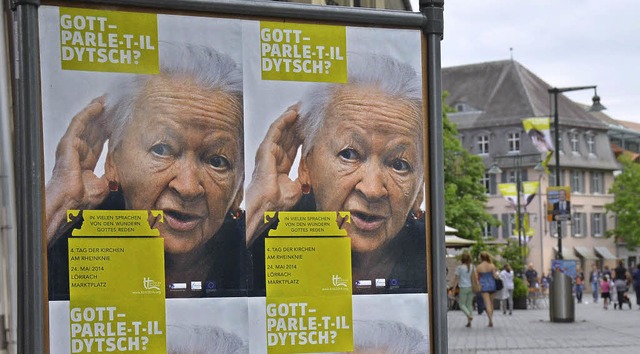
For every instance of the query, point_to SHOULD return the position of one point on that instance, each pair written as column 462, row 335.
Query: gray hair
column 390, row 336
column 203, row 340
column 209, row 69
column 397, row 79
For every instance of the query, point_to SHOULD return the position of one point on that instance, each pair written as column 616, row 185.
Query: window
column 577, row 181
column 552, row 177
column 514, row 142
column 578, row 225
column 486, row 230
column 512, row 176
column 508, row 225
column 483, row 144
column 597, row 182
column 591, row 144
column 486, row 182
column 598, row 224
column 559, row 147
column 574, row 140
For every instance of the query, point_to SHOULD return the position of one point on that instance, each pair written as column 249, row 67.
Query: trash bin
column 561, row 305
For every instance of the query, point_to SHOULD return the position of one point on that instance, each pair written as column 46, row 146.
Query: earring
column 306, row 188
column 114, row 186
column 236, row 214
column 417, row 215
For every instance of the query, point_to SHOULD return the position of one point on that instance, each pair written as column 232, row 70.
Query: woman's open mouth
column 366, row 222
column 181, row 221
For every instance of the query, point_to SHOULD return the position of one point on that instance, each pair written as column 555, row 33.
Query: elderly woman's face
column 181, row 153
column 366, row 160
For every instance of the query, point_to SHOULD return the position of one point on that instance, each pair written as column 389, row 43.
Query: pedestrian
column 464, row 272
column 487, row 275
column 507, row 291
column 579, row 284
column 605, row 291
column 613, row 293
column 621, row 279
column 607, row 271
column 532, row 276
column 636, row 284
column 594, row 278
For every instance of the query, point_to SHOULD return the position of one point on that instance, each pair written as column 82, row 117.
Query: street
column 530, row 331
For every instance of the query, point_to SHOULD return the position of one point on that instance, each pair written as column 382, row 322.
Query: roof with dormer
column 504, row 92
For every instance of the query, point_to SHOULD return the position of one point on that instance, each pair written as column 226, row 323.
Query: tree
column 626, row 204
column 465, row 196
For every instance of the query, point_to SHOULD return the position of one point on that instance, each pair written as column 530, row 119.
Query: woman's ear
column 419, row 199
column 235, row 205
column 303, row 171
column 110, row 168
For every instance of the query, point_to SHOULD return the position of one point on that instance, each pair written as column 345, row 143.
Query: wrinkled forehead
column 183, row 93
column 371, row 107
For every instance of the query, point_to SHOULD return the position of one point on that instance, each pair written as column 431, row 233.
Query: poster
column 129, row 123
column 558, row 203
column 308, row 280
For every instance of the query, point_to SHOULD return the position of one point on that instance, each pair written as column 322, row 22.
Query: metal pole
column 518, row 213
column 556, row 127
column 436, row 261
column 29, row 176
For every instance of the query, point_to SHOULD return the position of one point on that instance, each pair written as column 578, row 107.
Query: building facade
column 491, row 100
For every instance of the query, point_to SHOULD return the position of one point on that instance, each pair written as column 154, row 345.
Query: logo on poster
column 150, row 284
column 338, row 281
column 196, row 285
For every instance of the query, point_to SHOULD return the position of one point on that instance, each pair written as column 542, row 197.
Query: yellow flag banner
column 309, row 303
column 117, row 294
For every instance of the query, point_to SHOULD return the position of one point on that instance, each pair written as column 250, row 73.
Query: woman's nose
column 187, row 182
column 372, row 185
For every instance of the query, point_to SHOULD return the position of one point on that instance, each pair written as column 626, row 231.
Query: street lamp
column 595, row 107
column 494, row 170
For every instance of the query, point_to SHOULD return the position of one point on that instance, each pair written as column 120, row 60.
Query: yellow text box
column 111, row 41
column 303, row 52
column 308, row 223
column 111, row 223
column 117, row 295
column 309, row 287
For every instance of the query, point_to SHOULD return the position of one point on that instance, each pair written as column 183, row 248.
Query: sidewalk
column 530, row 331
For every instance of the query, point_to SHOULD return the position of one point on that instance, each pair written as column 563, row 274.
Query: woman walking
column 464, row 272
column 507, row 298
column 487, row 275
column 621, row 277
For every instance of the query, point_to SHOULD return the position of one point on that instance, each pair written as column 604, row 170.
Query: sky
column 565, row 42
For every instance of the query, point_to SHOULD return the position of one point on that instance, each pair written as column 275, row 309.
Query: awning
column 566, row 255
column 448, row 229
column 585, row 252
column 455, row 241
column 604, row 252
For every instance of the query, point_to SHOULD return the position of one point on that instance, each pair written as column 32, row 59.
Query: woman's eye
column 400, row 165
column 161, row 149
column 219, row 162
column 348, row 154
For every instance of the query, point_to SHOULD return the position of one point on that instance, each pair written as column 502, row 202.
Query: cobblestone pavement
column 531, row 331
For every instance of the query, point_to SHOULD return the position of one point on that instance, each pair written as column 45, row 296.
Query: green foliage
column 626, row 204
column 520, row 289
column 465, row 196
column 514, row 255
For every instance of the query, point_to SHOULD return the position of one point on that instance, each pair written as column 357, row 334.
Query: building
column 374, row 4
column 491, row 100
